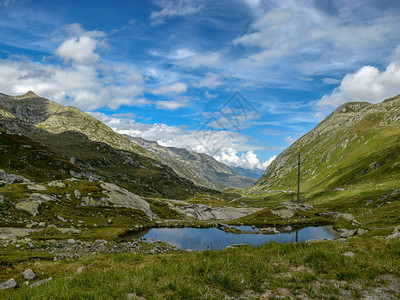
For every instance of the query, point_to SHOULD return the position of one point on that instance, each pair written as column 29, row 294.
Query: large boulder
column 11, row 283
column 118, row 197
column 204, row 212
column 31, row 207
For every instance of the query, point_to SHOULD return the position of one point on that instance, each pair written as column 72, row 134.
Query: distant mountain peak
column 27, row 95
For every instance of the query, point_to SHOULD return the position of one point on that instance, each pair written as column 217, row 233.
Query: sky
column 237, row 79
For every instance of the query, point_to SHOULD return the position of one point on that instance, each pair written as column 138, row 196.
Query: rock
column 348, row 254
column 349, row 218
column 57, row 184
column 284, row 213
column 77, row 194
column 29, row 274
column 29, row 206
column 345, row 233
column 288, row 228
column 93, row 179
column 393, row 236
column 1, row 198
column 61, row 218
column 11, row 283
column 396, row 229
column 109, row 221
column 3, row 174
column 12, row 178
column 36, row 187
column 80, row 270
column 204, row 212
column 269, row 230
column 41, row 282
column 71, row 241
column 118, row 197
column 42, row 224
column 361, row 231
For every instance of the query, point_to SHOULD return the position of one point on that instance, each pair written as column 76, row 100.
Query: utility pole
column 298, row 181
column 9, row 166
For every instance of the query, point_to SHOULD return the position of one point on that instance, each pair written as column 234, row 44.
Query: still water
column 215, row 239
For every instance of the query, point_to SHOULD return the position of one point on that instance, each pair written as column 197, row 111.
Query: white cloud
column 80, row 46
column 247, row 160
column 210, row 80
column 367, row 84
column 174, row 8
column 208, row 59
column 79, row 50
column 266, row 30
column 224, row 146
column 174, row 88
column 170, row 105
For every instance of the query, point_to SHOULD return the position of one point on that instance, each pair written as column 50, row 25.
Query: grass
column 312, row 269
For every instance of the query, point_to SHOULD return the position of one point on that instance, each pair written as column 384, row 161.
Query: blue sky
column 162, row 70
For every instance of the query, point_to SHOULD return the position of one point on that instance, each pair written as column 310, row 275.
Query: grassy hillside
column 356, row 148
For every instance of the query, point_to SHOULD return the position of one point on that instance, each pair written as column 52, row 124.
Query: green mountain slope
column 199, row 167
column 356, row 148
column 39, row 155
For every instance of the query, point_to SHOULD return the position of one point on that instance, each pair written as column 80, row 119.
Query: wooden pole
column 298, row 181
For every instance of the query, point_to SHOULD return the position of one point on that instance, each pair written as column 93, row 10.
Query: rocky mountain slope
column 201, row 168
column 54, row 118
column 41, row 155
column 357, row 147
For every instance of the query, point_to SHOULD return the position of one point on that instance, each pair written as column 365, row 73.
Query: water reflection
column 213, row 238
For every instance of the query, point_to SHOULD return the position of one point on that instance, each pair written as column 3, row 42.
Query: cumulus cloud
column 85, row 83
column 80, row 46
column 79, row 50
column 174, row 88
column 367, row 84
column 222, row 145
column 174, row 8
column 248, row 160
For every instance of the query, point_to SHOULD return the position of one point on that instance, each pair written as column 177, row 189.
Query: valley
column 76, row 189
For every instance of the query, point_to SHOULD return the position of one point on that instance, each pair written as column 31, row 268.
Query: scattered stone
column 36, row 187
column 396, row 229
column 269, row 230
column 41, row 282
column 348, row 254
column 3, row 174
column 345, row 233
column 393, row 236
column 71, row 241
column 93, row 179
column 29, row 274
column 61, row 218
column 109, row 221
column 80, row 270
column 42, row 224
column 29, row 206
column 288, row 228
column 12, row 178
column 77, row 194
column 11, row 283
column 349, row 218
column 1, row 198
column 57, row 184
column 361, row 231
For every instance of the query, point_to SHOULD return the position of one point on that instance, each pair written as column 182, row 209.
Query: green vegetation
column 316, row 270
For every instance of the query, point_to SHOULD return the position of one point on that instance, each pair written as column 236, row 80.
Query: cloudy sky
column 170, row 70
